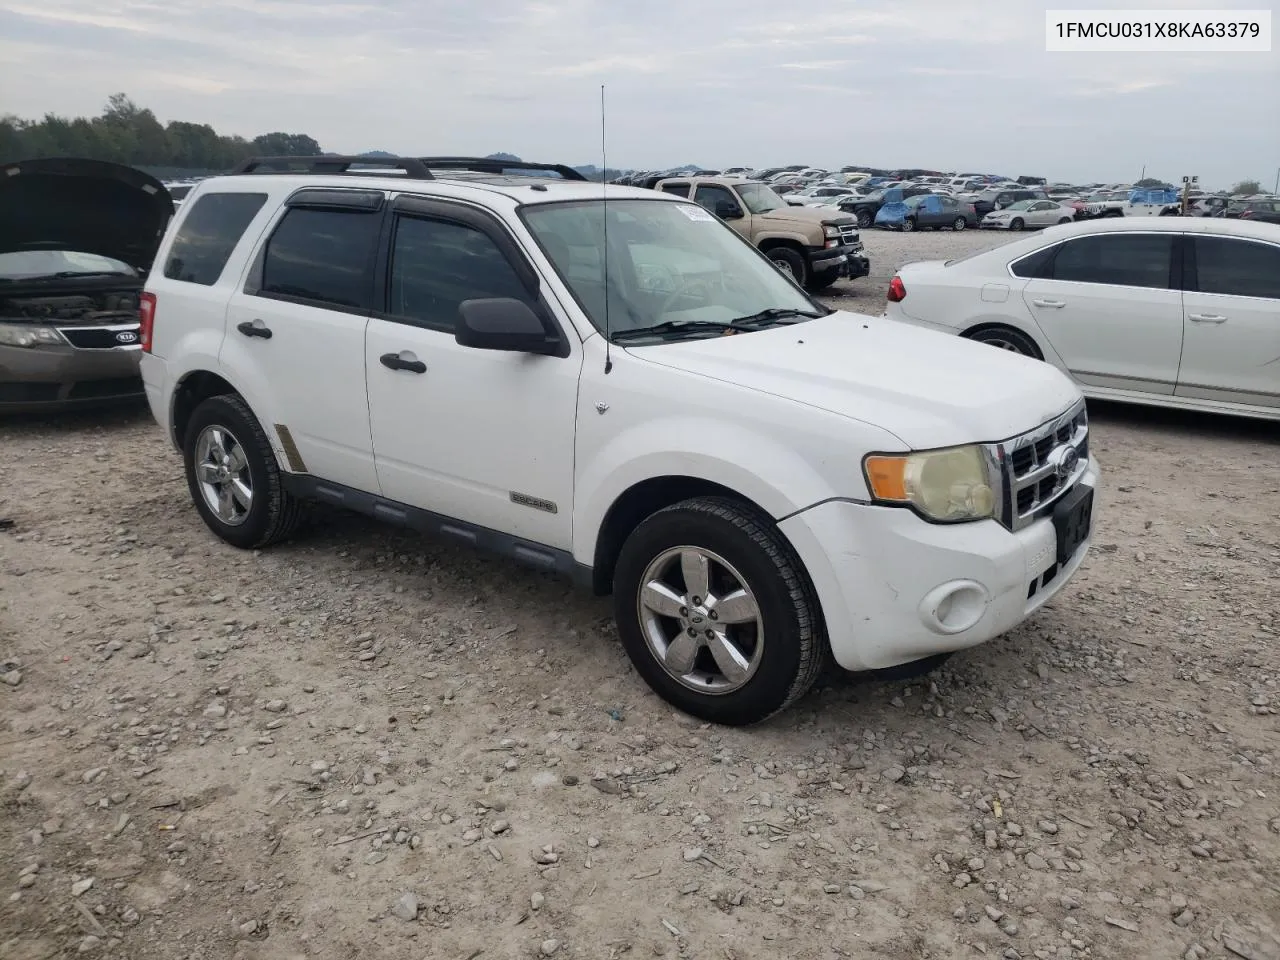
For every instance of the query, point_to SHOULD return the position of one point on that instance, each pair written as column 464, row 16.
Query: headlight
column 24, row 335
column 831, row 233
column 944, row 485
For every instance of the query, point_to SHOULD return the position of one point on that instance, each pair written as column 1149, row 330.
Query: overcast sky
column 954, row 85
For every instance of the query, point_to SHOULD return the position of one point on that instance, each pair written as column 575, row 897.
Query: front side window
column 208, row 235
column 323, row 256
column 436, row 264
column 1132, row 260
column 669, row 263
column 1239, row 268
column 712, row 196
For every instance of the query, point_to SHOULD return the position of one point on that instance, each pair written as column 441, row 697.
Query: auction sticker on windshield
column 695, row 212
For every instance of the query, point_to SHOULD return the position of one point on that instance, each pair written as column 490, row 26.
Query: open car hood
column 88, row 206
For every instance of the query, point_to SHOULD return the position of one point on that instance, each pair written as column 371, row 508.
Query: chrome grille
column 1036, row 468
column 848, row 234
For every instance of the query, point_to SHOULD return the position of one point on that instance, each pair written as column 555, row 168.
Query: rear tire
column 959, row 224
column 790, row 263
column 683, row 565
column 233, row 476
column 1007, row 338
column 1064, row 220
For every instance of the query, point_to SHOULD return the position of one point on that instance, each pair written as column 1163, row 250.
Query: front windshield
column 669, row 262
column 34, row 264
column 876, row 195
column 760, row 198
column 1020, row 205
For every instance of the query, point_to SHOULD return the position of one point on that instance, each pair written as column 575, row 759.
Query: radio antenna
column 604, row 215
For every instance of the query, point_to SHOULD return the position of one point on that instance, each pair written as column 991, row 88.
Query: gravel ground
column 367, row 743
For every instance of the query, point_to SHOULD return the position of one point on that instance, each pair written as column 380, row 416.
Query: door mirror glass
column 503, row 323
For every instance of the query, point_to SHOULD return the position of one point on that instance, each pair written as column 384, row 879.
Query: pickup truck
column 814, row 247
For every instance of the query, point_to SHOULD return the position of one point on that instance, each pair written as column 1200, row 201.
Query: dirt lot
column 368, row 744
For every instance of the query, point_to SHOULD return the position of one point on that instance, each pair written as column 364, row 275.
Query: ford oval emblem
column 127, row 336
column 1067, row 459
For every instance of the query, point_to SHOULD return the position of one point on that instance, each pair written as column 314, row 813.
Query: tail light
column 146, row 319
column 897, row 292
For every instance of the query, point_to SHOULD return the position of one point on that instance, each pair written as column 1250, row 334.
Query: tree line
column 129, row 134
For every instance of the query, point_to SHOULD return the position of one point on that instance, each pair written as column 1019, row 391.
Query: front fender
column 792, row 236
column 777, row 477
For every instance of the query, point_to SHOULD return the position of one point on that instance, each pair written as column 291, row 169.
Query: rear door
column 1231, row 345
column 295, row 332
column 1111, row 306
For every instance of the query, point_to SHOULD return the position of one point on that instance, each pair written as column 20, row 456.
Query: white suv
column 610, row 383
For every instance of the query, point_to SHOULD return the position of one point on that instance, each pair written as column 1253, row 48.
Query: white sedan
column 1171, row 311
column 1028, row 213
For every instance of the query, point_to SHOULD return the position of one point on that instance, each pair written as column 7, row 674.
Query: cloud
column 718, row 82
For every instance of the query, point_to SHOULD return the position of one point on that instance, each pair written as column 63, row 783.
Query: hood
column 88, row 206
column 928, row 389
column 813, row 215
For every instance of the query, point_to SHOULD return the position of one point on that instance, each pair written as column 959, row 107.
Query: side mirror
column 503, row 323
column 728, row 210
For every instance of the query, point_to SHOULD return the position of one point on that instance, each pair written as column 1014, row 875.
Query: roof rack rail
column 489, row 165
column 332, row 164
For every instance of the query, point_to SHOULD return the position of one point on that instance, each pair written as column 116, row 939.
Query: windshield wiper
column 670, row 327
column 770, row 317
column 755, row 321
column 67, row 275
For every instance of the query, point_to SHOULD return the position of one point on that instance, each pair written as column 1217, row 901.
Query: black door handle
column 254, row 330
column 396, row 362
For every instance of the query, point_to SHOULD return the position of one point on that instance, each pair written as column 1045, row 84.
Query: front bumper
column 848, row 259
column 57, row 377
column 879, row 573
column 994, row 224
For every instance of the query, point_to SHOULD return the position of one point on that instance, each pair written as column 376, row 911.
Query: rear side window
column 1035, row 266
column 1239, row 268
column 208, row 234
column 679, row 189
column 1132, row 260
column 324, row 257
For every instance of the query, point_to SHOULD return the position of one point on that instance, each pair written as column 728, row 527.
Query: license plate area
column 1073, row 520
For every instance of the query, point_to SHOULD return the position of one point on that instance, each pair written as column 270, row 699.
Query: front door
column 1111, row 311
column 1231, row 349
column 481, row 436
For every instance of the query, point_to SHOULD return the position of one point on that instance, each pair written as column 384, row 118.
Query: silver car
column 1028, row 213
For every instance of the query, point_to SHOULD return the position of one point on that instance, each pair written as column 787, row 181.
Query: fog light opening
column 954, row 607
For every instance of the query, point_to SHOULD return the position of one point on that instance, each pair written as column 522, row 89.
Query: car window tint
column 208, row 234
column 1133, row 260
column 1038, row 265
column 709, row 195
column 1239, row 268
column 436, row 264
column 325, row 256
column 679, row 189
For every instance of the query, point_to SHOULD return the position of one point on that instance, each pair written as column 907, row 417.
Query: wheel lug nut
column 693, row 632
column 711, row 633
column 684, row 611
column 697, row 601
column 713, row 615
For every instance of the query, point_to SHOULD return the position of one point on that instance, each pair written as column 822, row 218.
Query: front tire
column 960, row 224
column 908, row 225
column 1016, row 223
column 790, row 263
column 233, row 476
column 715, row 612
column 864, row 219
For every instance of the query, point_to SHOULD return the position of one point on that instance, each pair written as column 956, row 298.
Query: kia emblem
column 127, row 336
